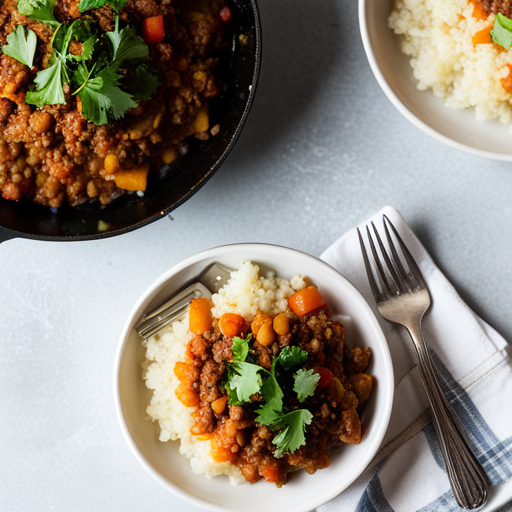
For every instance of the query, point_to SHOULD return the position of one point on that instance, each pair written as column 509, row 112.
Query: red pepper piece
column 153, row 29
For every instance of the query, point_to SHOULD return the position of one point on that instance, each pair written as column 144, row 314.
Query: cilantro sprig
column 246, row 379
column 110, row 76
column 21, row 46
column 38, row 10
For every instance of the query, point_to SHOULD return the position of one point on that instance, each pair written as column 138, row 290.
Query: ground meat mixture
column 496, row 6
column 54, row 156
column 234, row 433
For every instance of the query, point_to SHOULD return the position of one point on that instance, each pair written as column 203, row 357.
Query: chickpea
column 111, row 164
column 258, row 322
column 169, row 156
column 219, row 405
column 281, row 324
column 41, row 122
column 266, row 334
column 241, row 438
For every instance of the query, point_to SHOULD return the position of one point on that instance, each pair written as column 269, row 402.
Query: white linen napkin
column 473, row 361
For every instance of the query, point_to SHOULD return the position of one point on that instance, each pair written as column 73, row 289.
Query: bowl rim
column 399, row 105
column 151, row 291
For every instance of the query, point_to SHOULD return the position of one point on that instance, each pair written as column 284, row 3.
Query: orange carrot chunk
column 483, row 37
column 507, row 81
column 200, row 317
column 306, row 300
column 232, row 324
column 479, row 12
column 187, row 396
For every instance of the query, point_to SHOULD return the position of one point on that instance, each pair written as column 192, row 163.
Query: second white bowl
column 456, row 128
column 303, row 492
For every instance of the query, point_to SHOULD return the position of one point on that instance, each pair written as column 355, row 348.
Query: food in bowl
column 95, row 93
column 456, row 51
column 257, row 382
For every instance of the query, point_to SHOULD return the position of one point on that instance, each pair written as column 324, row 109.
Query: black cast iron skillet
column 175, row 183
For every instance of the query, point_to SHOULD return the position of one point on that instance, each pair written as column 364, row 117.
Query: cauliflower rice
column 247, row 294
column 438, row 35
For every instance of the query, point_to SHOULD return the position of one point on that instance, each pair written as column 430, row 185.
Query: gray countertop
column 322, row 150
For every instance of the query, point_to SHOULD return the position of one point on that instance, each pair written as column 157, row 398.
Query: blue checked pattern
column 494, row 455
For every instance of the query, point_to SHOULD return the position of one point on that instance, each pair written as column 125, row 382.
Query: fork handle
column 467, row 477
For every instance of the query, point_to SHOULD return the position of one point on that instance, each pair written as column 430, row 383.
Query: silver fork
column 402, row 297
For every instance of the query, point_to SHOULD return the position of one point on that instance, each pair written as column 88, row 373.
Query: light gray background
column 322, row 150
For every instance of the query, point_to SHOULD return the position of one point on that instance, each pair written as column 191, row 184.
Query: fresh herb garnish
column 293, row 435
column 245, row 380
column 292, row 356
column 110, row 75
column 21, row 46
column 240, row 348
column 38, row 10
column 305, row 383
column 501, row 33
column 86, row 5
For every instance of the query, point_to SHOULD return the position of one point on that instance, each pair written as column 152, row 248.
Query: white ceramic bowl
column 303, row 492
column 456, row 128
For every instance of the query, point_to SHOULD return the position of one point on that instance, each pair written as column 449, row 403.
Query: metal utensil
column 402, row 297
column 209, row 281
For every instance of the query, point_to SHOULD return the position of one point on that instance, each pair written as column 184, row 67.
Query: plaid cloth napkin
column 408, row 474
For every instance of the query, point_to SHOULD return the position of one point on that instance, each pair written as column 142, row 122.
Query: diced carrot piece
column 306, row 300
column 134, row 179
column 483, row 37
column 186, row 372
column 479, row 12
column 507, row 81
column 187, row 396
column 232, row 324
column 200, row 317
column 221, row 454
column 270, row 474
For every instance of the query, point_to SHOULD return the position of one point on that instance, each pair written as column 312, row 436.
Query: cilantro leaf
column 126, row 46
column 292, row 437
column 272, row 409
column 39, row 10
column 305, row 383
column 100, row 96
column 142, row 84
column 21, row 46
column 501, row 33
column 246, row 380
column 240, row 348
column 86, row 5
column 49, row 89
column 292, row 356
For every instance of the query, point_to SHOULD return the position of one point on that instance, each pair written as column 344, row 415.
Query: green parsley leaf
column 292, row 437
column 86, row 5
column 502, row 31
column 39, row 10
column 142, row 84
column 272, row 409
column 49, row 89
column 292, row 356
column 101, row 96
column 305, row 383
column 246, row 380
column 21, row 46
column 240, row 348
column 127, row 46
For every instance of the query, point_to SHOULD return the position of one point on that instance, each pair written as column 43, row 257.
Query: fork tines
column 394, row 272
